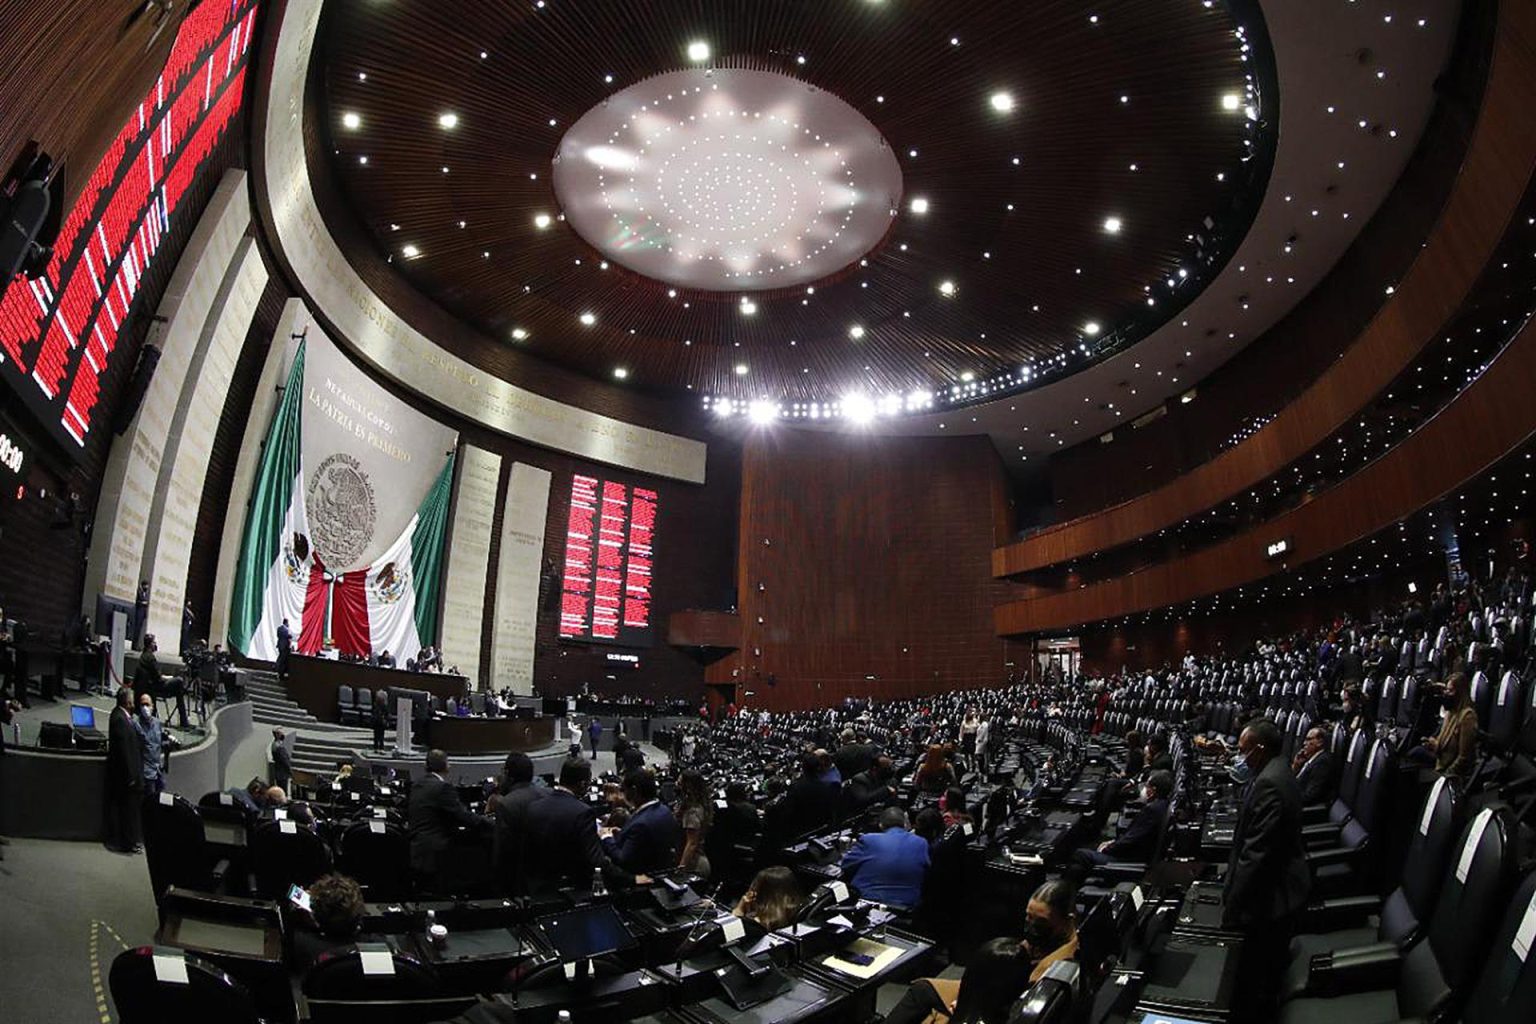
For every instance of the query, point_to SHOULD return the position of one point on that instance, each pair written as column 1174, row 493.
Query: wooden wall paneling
column 1489, row 189
column 71, row 74
column 863, row 568
column 1489, row 419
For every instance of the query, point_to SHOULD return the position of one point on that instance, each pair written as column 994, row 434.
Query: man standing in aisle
column 153, row 737
column 284, row 648
column 1267, row 878
column 125, row 777
column 282, row 761
column 594, row 734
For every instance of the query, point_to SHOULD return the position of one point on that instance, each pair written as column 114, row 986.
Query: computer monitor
column 82, row 716
column 586, row 932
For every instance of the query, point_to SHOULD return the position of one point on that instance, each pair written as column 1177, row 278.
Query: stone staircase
column 317, row 746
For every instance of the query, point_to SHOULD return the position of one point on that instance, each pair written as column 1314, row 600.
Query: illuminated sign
column 60, row 334
column 11, row 456
column 606, row 585
column 1278, row 549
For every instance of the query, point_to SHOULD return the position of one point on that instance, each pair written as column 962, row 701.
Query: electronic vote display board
column 605, row 594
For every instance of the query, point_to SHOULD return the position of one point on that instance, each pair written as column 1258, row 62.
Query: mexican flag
column 273, row 573
column 393, row 604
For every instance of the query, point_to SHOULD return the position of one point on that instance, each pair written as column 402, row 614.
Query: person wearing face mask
column 1000, row 970
column 1453, row 752
column 1267, row 879
column 153, row 735
column 1352, row 713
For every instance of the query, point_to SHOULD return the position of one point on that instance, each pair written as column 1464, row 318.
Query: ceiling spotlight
column 967, row 377
column 748, row 307
column 588, row 319
column 857, row 408
column 1231, row 101
column 1091, row 328
column 620, row 372
column 410, row 252
column 946, row 288
column 448, row 119
column 856, row 332
column 1112, row 225
column 698, row 51
column 918, row 205
column 722, row 409
column 351, row 120
column 542, row 220
column 519, row 334
column 740, row 369
column 762, row 411
column 1002, row 102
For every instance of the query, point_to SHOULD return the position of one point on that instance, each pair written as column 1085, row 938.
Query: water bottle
column 598, row 889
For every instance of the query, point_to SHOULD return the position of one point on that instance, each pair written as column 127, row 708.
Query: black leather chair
column 1505, row 992
column 377, row 854
column 1050, row 1000
column 175, row 847
column 1380, row 984
column 340, row 977
column 1346, row 866
column 1405, row 908
column 1342, row 808
column 147, row 989
column 285, row 853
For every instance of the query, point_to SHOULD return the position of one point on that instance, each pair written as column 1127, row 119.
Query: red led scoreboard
column 606, row 587
column 60, row 333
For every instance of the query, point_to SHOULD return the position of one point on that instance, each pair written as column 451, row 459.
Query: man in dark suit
column 888, row 866
column 567, row 850
column 1158, row 758
column 1267, row 880
column 809, row 804
column 147, row 679
column 650, row 840
column 1313, row 766
column 434, row 814
column 869, row 788
column 855, row 755
column 284, row 648
column 1138, row 843
column 125, row 777
column 282, row 761
column 512, row 835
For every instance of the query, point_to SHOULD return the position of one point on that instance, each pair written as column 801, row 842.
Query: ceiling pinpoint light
column 542, row 220
column 698, row 51
column 919, row 205
column 856, row 332
column 1112, row 225
column 519, row 334
column 1002, row 102
column 448, row 119
column 351, row 120
column 1091, row 328
column 588, row 319
column 947, row 288
column 858, row 409
column 1231, row 101
column 620, row 373
column 762, row 411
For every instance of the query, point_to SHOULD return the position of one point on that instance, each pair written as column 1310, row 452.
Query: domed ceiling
column 792, row 200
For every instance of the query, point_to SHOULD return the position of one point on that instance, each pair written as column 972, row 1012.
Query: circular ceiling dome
column 728, row 180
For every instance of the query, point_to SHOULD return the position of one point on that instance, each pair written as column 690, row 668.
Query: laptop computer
column 82, row 720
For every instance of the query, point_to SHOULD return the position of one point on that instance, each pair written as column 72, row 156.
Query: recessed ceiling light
column 946, row 287
column 1112, row 225
column 1231, row 101
column 1091, row 328
column 351, row 120
column 1002, row 102
column 857, row 408
column 740, row 369
column 448, row 119
column 588, row 319
column 762, row 411
column 919, row 205
column 542, row 220
column 748, row 307
column 620, row 372
column 698, row 51
column 856, row 332
column 410, row 252
column 519, row 334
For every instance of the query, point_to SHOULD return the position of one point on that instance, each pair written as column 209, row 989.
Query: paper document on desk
column 883, row 957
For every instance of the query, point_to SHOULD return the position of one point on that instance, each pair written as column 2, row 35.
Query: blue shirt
column 888, row 867
column 153, row 735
